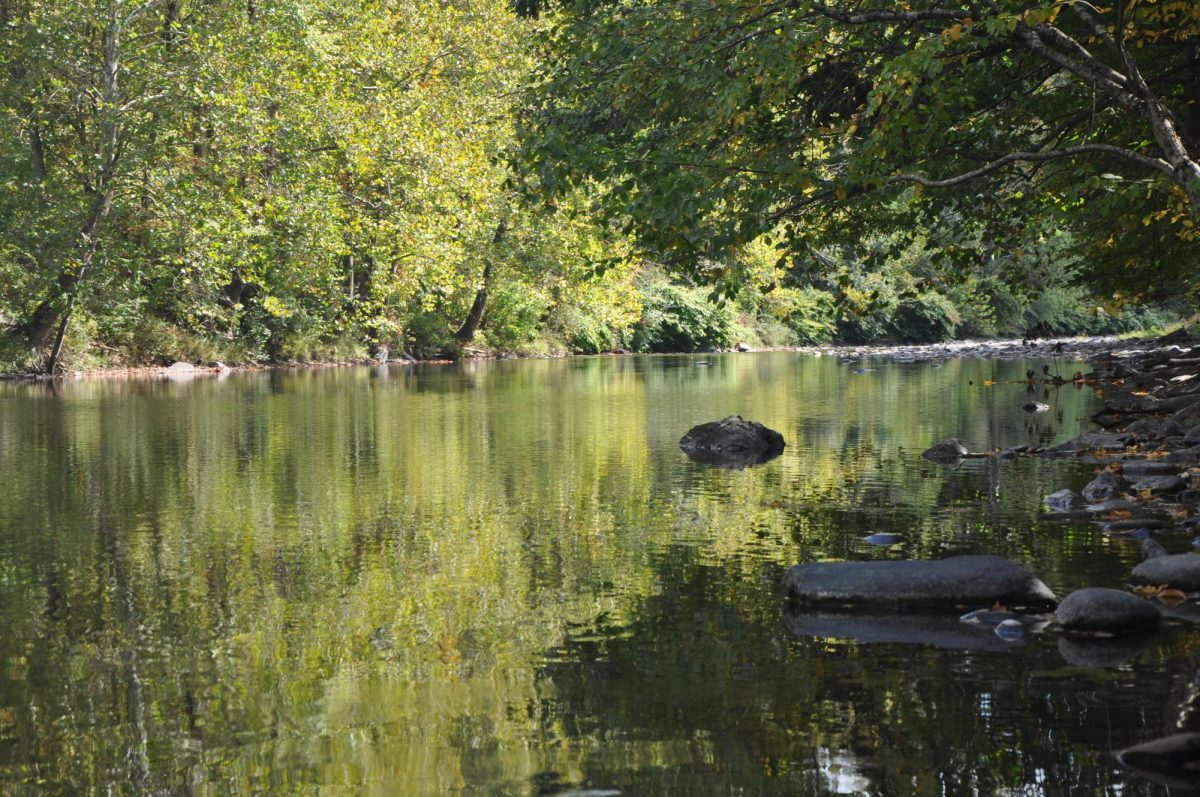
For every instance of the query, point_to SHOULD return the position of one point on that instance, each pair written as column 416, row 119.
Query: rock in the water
column 1183, row 420
column 1152, row 548
column 1159, row 485
column 1135, row 524
column 180, row 368
column 1178, row 571
column 1112, row 505
column 732, row 442
column 1062, row 500
column 1101, row 610
column 1148, row 467
column 957, row 581
column 883, row 538
column 1184, row 456
column 946, row 451
column 1103, row 487
column 1175, row 760
column 1193, row 436
column 1093, row 441
column 1147, row 427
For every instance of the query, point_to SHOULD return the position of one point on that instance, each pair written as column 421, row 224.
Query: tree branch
column 867, row 17
column 1156, row 164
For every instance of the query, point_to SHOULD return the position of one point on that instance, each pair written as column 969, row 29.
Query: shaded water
column 505, row 578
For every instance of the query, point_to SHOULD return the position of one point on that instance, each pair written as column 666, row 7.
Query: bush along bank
column 641, row 310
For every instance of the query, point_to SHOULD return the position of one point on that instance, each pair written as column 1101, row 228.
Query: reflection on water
column 506, row 578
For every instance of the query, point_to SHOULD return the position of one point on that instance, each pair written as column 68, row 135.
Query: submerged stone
column 883, row 539
column 913, row 629
column 957, row 581
column 732, row 442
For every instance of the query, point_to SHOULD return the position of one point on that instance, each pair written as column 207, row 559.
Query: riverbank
column 1064, row 349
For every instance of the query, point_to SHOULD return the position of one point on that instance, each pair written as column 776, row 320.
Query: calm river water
column 505, row 578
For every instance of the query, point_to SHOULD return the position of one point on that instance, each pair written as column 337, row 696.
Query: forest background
column 279, row 180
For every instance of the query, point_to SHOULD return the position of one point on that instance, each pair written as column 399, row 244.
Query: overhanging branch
column 1157, row 164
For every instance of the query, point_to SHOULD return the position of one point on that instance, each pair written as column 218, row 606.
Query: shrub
column 680, row 318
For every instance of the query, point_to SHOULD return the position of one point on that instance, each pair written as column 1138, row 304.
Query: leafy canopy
column 985, row 129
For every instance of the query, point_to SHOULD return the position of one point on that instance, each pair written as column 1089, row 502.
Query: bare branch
column 1156, row 164
column 1080, row 52
column 1112, row 88
column 867, row 17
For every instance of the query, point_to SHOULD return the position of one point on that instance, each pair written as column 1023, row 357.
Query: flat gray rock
column 1184, row 456
column 1097, row 609
column 732, row 442
column 1159, row 485
column 954, row 582
column 1184, row 419
column 1179, row 571
column 1148, row 467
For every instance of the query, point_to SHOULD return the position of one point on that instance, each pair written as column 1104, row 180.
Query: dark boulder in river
column 1172, row 760
column 1099, row 610
column 954, row 582
column 1103, row 487
column 1178, row 571
column 946, row 452
column 732, row 443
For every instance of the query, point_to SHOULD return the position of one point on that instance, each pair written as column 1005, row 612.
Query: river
column 500, row 578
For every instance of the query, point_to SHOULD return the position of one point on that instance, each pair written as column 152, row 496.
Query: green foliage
column 807, row 313
column 971, row 132
column 680, row 318
column 514, row 315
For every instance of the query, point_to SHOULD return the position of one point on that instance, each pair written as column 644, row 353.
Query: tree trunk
column 469, row 327
column 54, row 313
column 474, row 319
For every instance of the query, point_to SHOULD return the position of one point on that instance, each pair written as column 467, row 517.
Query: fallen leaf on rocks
column 1144, row 495
column 1119, row 514
column 1148, row 591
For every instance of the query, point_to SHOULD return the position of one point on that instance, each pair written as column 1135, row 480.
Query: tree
column 980, row 127
column 87, row 109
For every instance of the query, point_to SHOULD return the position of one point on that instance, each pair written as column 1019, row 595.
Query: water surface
column 505, row 578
